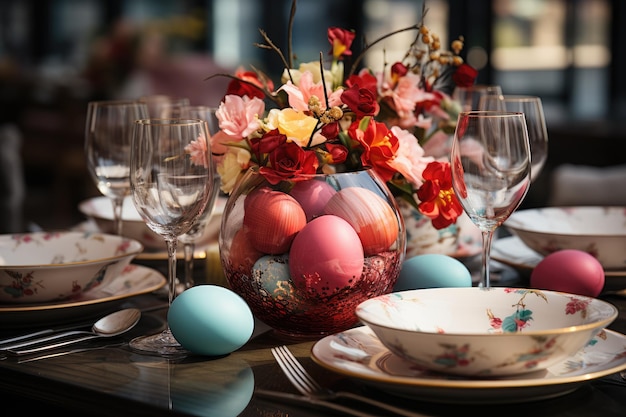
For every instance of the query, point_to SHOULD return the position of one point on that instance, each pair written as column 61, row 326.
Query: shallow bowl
column 485, row 332
column 51, row 266
column 100, row 210
column 599, row 231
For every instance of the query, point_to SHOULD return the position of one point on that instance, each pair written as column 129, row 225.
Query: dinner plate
column 134, row 280
column 513, row 252
column 359, row 354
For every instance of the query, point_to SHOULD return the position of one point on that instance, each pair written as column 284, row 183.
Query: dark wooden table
column 114, row 381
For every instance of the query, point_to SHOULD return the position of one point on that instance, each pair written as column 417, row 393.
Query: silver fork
column 307, row 386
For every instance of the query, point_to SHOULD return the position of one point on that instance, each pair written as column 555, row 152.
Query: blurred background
column 56, row 55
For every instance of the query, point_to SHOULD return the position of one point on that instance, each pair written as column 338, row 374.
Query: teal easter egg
column 432, row 271
column 271, row 272
column 210, row 320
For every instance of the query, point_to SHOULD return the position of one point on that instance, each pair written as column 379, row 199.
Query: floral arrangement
column 323, row 119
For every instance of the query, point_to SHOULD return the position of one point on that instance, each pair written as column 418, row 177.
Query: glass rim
column 490, row 113
column 520, row 97
column 114, row 102
column 153, row 121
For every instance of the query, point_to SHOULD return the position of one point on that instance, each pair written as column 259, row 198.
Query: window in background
column 405, row 13
column 557, row 49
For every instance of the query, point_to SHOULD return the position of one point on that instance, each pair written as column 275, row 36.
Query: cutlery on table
column 308, row 387
column 111, row 325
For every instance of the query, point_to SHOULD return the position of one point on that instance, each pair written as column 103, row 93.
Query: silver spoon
column 111, row 325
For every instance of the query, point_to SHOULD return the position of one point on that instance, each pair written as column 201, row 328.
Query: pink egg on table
column 312, row 196
column 571, row 271
column 326, row 256
column 273, row 219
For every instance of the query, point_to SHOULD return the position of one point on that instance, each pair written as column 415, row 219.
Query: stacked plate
column 600, row 231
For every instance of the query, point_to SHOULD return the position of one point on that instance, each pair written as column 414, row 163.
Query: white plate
column 358, row 353
column 134, row 280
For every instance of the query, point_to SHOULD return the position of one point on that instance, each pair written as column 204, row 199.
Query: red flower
column 362, row 101
column 247, row 83
column 379, row 143
column 289, row 162
column 267, row 143
column 398, row 70
column 465, row 75
column 364, row 79
column 337, row 153
column 341, row 41
column 437, row 197
column 330, row 131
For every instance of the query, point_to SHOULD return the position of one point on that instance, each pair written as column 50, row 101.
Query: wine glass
column 189, row 239
column 490, row 161
column 162, row 106
column 108, row 131
column 469, row 97
column 171, row 178
column 532, row 108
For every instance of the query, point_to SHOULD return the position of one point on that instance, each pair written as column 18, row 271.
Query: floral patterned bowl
column 485, row 332
column 599, row 231
column 50, row 266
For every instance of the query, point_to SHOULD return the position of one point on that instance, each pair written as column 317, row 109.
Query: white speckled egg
column 432, row 271
column 210, row 320
column 569, row 270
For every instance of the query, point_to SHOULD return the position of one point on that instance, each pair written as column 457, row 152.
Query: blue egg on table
column 210, row 320
column 432, row 271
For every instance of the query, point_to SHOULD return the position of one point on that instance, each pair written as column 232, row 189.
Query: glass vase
column 304, row 254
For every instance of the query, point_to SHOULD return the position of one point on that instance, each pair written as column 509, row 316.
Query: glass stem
column 171, row 268
column 117, row 215
column 189, row 249
column 487, row 237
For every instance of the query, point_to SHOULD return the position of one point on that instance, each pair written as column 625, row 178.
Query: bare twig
column 292, row 16
column 361, row 55
column 270, row 45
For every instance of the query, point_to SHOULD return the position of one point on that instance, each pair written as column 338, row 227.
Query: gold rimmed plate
column 357, row 353
column 134, row 280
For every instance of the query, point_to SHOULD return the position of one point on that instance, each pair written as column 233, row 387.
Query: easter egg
column 432, row 271
column 326, row 256
column 372, row 217
column 569, row 270
column 273, row 219
column 312, row 196
column 271, row 273
column 241, row 252
column 210, row 320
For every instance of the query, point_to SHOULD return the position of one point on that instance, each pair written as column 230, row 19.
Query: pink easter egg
column 273, row 219
column 312, row 196
column 569, row 270
column 326, row 256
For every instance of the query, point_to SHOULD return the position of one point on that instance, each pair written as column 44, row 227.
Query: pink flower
column 406, row 94
column 299, row 95
column 239, row 116
column 198, row 152
column 410, row 160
